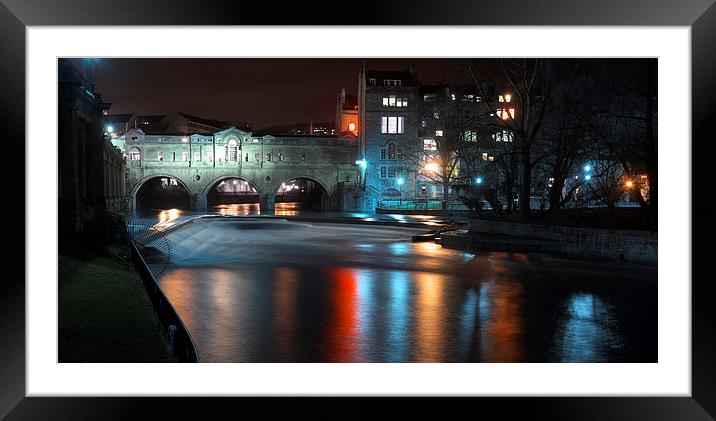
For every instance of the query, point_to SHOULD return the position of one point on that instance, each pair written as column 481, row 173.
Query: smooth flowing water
column 277, row 290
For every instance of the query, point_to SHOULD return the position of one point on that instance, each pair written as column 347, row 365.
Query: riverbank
column 638, row 246
column 104, row 314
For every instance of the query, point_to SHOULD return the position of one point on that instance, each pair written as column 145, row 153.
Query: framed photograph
column 454, row 201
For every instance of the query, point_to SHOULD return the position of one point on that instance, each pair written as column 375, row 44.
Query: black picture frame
column 700, row 15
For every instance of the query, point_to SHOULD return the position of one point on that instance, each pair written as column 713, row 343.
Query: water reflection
column 168, row 215
column 346, row 302
column 238, row 209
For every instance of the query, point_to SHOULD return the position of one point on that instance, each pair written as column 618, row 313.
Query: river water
column 282, row 290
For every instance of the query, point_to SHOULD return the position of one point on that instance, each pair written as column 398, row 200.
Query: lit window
column 268, row 157
column 470, row 136
column 232, row 150
column 257, row 157
column 392, row 125
column 430, row 145
column 484, row 156
column 160, row 156
column 512, row 112
column 134, row 154
column 491, row 158
column 502, row 99
column 391, row 101
column 438, row 132
column 385, row 101
column 184, row 139
column 371, row 82
column 508, row 97
column 185, row 156
column 173, row 182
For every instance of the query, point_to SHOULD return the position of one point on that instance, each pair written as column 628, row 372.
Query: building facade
column 91, row 176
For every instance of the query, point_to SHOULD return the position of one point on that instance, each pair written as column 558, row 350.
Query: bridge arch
column 305, row 192
column 181, row 197
column 231, row 195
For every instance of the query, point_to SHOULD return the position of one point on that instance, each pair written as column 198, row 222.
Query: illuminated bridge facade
column 202, row 164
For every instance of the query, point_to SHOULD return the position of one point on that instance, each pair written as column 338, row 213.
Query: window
column 303, row 157
column 232, row 150
column 393, row 101
column 382, row 153
column 391, row 151
column 257, row 157
column 430, row 145
column 391, row 172
column 504, row 136
column 134, row 154
column 197, row 156
column 174, row 156
column 392, row 125
column 173, row 182
column 438, row 132
column 392, row 82
column 383, row 172
column 160, row 156
column 469, row 136
column 484, row 156
column 371, row 81
column 185, row 156
column 280, row 157
column 268, row 157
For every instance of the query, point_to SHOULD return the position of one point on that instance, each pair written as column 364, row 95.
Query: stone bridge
column 199, row 162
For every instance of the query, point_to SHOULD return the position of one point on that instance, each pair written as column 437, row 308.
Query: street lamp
column 629, row 184
column 478, row 180
column 587, row 177
column 587, row 168
column 431, row 167
column 110, row 129
column 362, row 163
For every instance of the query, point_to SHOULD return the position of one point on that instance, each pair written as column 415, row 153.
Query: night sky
column 263, row 92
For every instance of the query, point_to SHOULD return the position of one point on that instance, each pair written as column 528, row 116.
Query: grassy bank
column 104, row 312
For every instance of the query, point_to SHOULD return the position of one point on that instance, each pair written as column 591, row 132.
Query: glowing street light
column 587, row 177
column 432, row 167
column 399, row 181
column 362, row 163
column 110, row 129
column 587, row 168
column 478, row 180
column 629, row 184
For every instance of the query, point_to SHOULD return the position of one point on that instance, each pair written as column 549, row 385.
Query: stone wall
column 628, row 245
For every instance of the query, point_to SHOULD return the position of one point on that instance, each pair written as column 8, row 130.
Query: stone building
column 199, row 163
column 90, row 169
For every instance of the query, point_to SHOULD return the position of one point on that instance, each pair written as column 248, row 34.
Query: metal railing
column 181, row 344
column 419, row 204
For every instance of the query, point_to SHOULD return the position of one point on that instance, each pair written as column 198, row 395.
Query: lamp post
column 363, row 164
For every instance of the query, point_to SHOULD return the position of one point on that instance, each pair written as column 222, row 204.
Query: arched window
column 391, row 151
column 135, row 154
column 232, row 151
